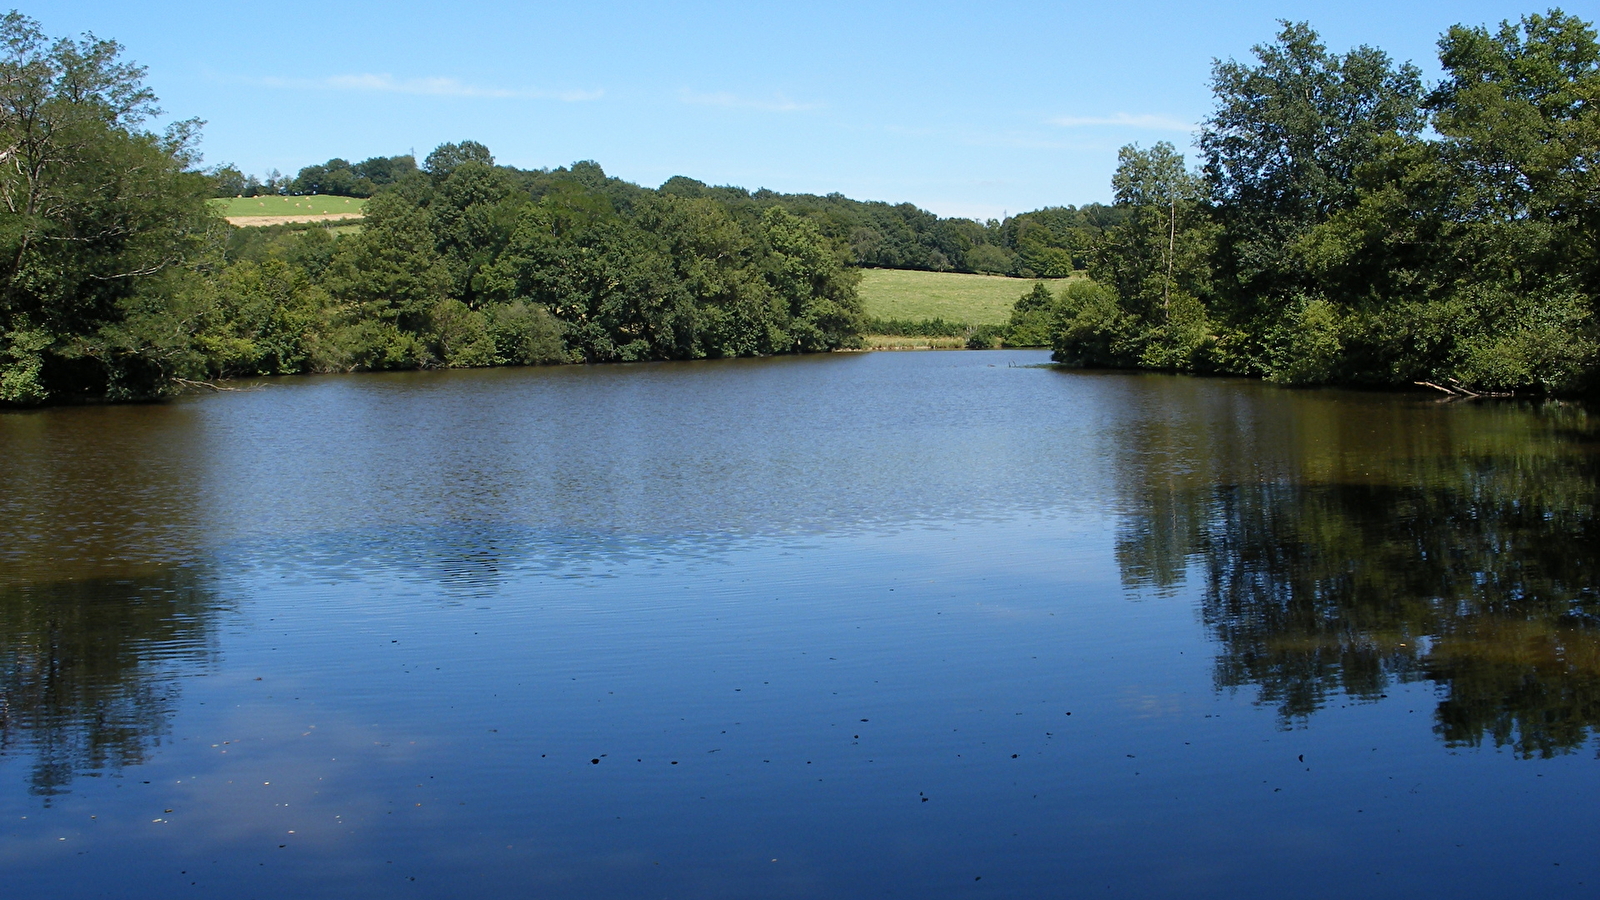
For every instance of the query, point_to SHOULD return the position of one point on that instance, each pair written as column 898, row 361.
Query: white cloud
column 1126, row 120
column 778, row 102
column 428, row 87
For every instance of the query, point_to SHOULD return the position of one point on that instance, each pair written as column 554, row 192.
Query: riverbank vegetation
column 1347, row 224
column 1350, row 224
column 121, row 281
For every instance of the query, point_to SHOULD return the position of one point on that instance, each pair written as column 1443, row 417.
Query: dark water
column 914, row 625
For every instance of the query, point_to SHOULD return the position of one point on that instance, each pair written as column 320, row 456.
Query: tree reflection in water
column 102, row 607
column 1346, row 553
column 90, row 670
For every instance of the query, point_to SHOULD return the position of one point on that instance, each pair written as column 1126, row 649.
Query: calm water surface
column 888, row 625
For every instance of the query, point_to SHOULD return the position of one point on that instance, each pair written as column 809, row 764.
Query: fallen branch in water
column 1457, row 389
column 215, row 387
column 1438, row 387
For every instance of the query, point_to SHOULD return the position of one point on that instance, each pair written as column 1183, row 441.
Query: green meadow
column 309, row 205
column 905, row 295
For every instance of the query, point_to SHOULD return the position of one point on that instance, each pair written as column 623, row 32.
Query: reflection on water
column 102, row 610
column 90, row 671
column 849, row 626
column 1355, row 549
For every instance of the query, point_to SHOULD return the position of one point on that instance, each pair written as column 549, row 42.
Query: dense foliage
column 121, row 282
column 1046, row 243
column 98, row 218
column 1351, row 225
column 465, row 263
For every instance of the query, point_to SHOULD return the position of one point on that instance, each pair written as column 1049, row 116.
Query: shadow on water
column 1339, row 550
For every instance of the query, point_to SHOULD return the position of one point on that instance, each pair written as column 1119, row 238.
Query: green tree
column 1033, row 318
column 737, row 313
column 603, row 276
column 1139, row 257
column 446, row 157
column 1283, row 145
column 1157, row 261
column 388, row 280
column 1468, row 259
column 1093, row 329
column 805, row 271
column 98, row 220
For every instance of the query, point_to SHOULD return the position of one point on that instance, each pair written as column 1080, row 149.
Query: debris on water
column 594, row 762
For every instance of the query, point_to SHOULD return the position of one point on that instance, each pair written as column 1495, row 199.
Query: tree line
column 120, row 281
column 1046, row 243
column 1347, row 224
column 337, row 177
column 1350, row 224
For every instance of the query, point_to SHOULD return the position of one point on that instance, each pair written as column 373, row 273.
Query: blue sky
column 969, row 108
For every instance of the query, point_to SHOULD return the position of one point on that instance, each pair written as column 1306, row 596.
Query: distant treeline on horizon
column 1052, row 242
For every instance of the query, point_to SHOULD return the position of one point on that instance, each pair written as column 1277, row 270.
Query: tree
column 446, row 157
column 1157, row 262
column 1283, row 146
column 1519, row 124
column 344, row 179
column 1033, row 318
column 98, row 220
column 824, row 311
column 1159, row 190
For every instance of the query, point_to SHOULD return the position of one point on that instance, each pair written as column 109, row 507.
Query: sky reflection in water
column 878, row 625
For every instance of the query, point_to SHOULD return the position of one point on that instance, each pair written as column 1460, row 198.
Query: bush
column 1094, row 330
column 525, row 334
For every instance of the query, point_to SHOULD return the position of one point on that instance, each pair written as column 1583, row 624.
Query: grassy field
column 312, row 205
column 915, row 296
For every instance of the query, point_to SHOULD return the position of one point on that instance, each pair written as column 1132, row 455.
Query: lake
column 862, row 625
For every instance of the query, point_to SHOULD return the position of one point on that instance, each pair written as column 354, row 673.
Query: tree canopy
column 1352, row 225
column 99, row 222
